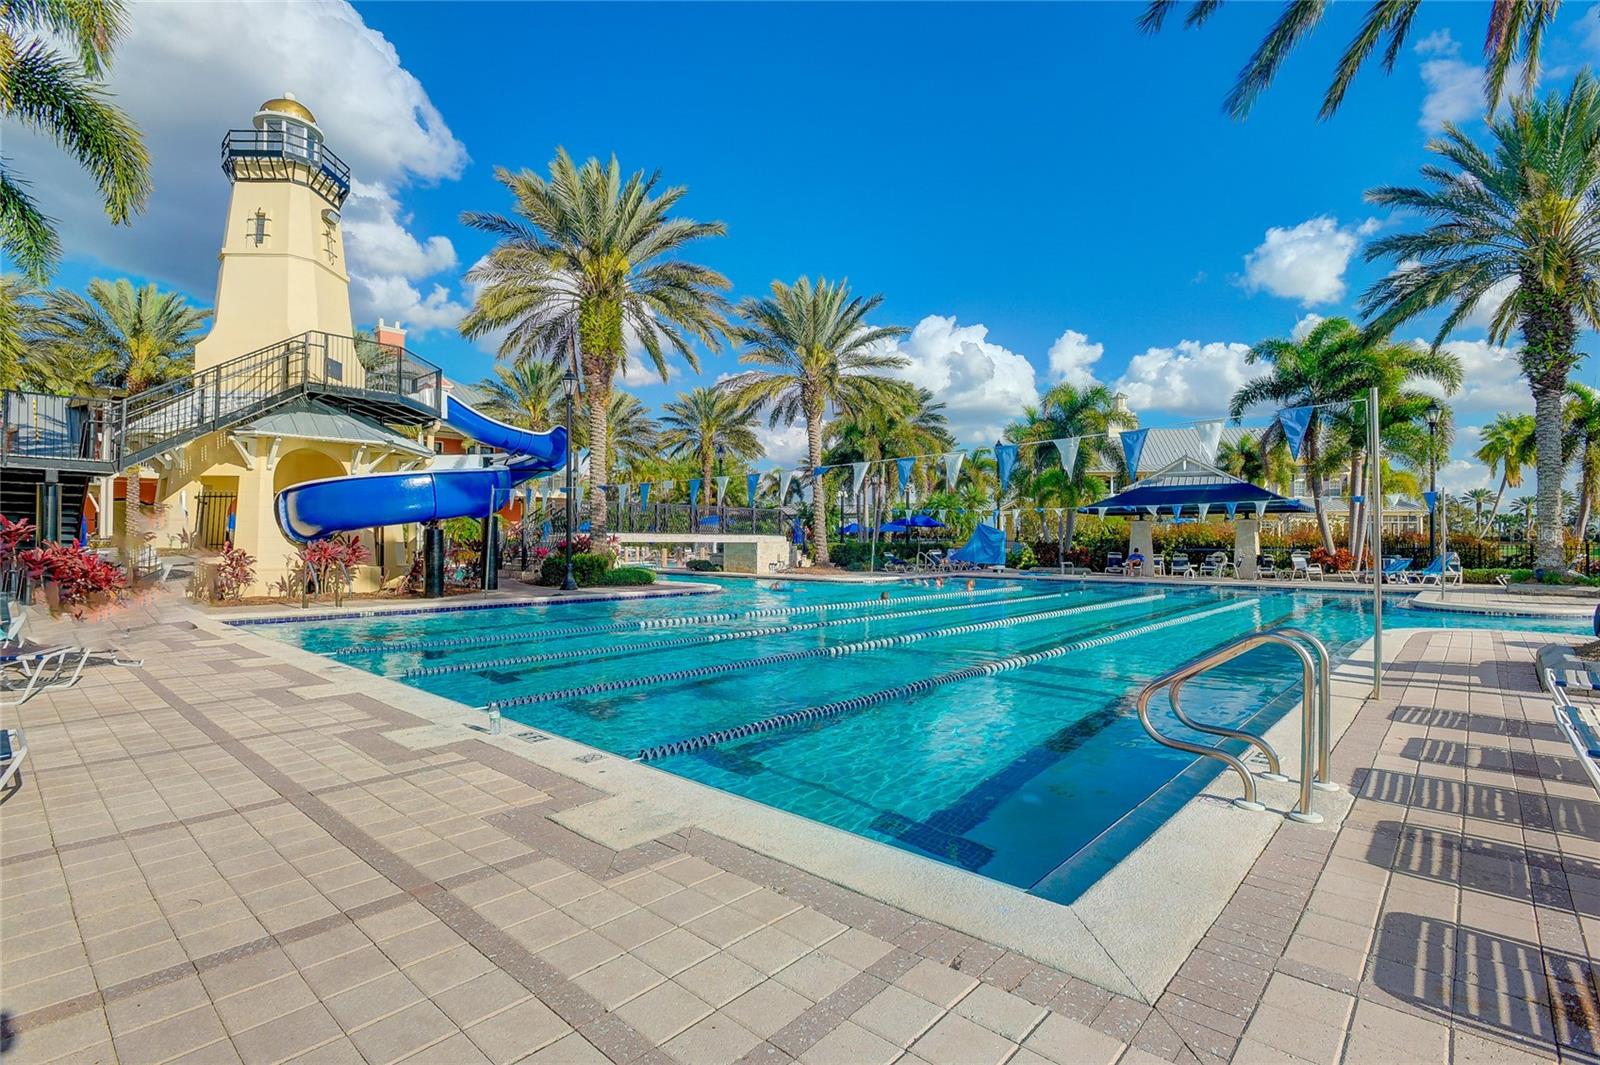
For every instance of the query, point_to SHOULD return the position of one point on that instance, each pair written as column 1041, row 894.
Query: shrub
column 626, row 575
column 587, row 568
column 76, row 572
column 236, row 570
column 1020, row 556
column 702, row 565
column 1337, row 561
column 332, row 559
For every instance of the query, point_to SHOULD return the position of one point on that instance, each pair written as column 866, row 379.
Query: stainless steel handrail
column 1324, row 781
column 1315, row 730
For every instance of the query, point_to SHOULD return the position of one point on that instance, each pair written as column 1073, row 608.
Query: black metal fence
column 211, row 518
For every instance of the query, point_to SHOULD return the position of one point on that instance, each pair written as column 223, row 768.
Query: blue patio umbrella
column 923, row 521
column 893, row 527
column 584, row 527
column 850, row 530
column 711, row 519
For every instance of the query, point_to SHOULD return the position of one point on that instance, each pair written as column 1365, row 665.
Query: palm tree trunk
column 1314, row 481
column 819, row 502
column 1549, row 552
column 1357, row 512
column 1494, row 511
column 1586, row 480
column 599, row 384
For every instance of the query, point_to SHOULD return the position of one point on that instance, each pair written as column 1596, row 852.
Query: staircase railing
column 179, row 411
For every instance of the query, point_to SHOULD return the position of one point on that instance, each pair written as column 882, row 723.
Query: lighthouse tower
column 283, row 266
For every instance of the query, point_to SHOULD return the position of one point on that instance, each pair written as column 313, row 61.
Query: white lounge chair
column 1581, row 727
column 13, row 749
column 1300, row 566
column 1114, row 563
column 1180, row 566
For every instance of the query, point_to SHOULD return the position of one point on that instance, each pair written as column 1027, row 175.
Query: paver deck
column 219, row 857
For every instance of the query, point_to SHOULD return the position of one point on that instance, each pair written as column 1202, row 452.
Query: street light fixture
column 569, row 387
column 1432, row 415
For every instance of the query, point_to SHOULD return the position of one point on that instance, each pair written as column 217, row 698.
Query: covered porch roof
column 1189, row 487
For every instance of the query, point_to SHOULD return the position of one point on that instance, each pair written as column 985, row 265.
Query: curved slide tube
column 316, row 509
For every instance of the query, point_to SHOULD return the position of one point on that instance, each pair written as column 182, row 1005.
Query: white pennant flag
column 952, row 468
column 858, row 474
column 1067, row 449
column 622, row 496
column 1204, row 508
column 666, row 490
column 784, row 477
column 1155, row 512
column 722, row 489
column 1261, row 508
column 1210, row 439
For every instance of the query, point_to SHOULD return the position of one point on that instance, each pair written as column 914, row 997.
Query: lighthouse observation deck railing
column 382, row 381
column 287, row 154
column 57, row 432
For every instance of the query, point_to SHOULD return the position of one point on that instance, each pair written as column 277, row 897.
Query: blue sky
column 1041, row 190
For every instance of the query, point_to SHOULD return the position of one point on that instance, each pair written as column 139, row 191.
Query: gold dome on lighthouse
column 289, row 106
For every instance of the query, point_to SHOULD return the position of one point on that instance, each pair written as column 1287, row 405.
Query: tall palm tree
column 527, row 393
column 815, row 349
column 1334, row 364
column 703, row 421
column 1067, row 410
column 53, row 56
column 21, row 314
column 1508, row 445
column 587, row 266
column 1582, row 442
column 1479, row 499
column 146, row 335
column 632, row 434
column 1521, row 212
column 1516, row 33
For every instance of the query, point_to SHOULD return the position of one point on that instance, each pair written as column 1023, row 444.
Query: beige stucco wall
column 293, row 282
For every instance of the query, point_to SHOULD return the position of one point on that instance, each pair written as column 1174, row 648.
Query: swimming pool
column 944, row 722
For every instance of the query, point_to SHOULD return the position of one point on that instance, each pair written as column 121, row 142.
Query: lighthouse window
column 258, row 227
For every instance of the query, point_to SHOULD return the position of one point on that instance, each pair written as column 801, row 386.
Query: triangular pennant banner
column 1067, row 451
column 1261, row 508
column 1210, row 438
column 1295, row 422
column 952, row 469
column 622, row 496
column 1431, row 499
column 784, row 477
column 902, row 473
column 644, row 495
column 751, row 481
column 1155, row 512
column 694, row 491
column 1005, row 460
column 666, row 490
column 858, row 474
column 1204, row 509
column 722, row 489
column 1132, row 446
column 1233, row 510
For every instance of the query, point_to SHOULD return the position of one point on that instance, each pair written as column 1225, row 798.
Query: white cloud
column 1461, row 475
column 1439, row 42
column 1072, row 358
column 639, row 371
column 785, row 444
column 187, row 73
column 1190, row 376
column 1305, row 325
column 1455, row 86
column 1482, row 315
column 1306, row 262
column 393, row 297
column 982, row 384
column 1491, row 378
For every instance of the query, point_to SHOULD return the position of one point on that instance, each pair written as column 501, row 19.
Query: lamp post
column 569, row 387
column 1432, row 414
column 722, row 511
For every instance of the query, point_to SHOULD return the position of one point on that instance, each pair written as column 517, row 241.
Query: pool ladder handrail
column 1315, row 717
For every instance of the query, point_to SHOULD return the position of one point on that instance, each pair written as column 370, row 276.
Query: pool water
column 1038, row 776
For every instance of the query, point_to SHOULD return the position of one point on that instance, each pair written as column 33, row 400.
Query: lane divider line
column 836, row 651
column 616, row 651
column 513, row 635
column 1001, row 665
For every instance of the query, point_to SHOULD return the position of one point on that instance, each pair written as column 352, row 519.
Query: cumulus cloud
column 784, row 444
column 1072, row 358
column 1455, row 86
column 1305, row 325
column 1492, row 378
column 1305, row 262
column 1190, row 376
column 186, row 73
column 982, row 384
column 1462, row 475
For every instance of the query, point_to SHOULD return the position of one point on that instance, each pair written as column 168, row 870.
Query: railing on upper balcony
column 231, row 392
column 37, row 428
column 282, row 155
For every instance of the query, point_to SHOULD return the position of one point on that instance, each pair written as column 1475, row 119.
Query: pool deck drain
column 238, row 853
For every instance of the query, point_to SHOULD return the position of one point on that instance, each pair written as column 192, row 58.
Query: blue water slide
column 317, row 509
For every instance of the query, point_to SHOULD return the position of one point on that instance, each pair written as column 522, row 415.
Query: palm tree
column 907, row 423
column 1068, row 410
column 1508, row 445
column 1334, row 364
column 706, row 422
column 587, row 267
column 1523, row 215
column 1516, row 32
column 1526, row 510
column 527, row 393
column 53, row 55
column 816, row 350
column 20, row 318
column 1582, row 441
column 1480, row 499
column 144, row 335
column 632, row 434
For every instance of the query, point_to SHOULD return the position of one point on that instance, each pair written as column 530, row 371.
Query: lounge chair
column 1300, row 566
column 1581, row 727
column 43, row 668
column 1180, row 566
column 1397, row 571
column 1443, row 570
column 1114, row 563
column 1215, row 564
column 13, row 749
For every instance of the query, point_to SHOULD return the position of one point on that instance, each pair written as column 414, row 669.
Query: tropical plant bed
column 1570, row 591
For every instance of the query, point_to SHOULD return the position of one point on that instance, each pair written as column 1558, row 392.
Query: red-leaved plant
column 236, row 571
column 331, row 560
column 77, row 575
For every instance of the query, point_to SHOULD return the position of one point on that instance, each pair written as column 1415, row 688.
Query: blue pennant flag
column 1132, row 446
column 1295, row 422
column 819, row 471
column 1432, row 499
column 694, row 491
column 644, row 495
column 1358, row 499
column 1232, row 508
column 1005, row 459
column 750, row 482
column 902, row 472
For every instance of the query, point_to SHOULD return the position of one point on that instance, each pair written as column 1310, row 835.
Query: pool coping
column 1105, row 936
column 288, row 613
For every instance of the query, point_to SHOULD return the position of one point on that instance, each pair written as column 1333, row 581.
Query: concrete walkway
column 219, row 857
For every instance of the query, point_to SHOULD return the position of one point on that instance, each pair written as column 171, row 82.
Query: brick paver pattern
column 209, row 860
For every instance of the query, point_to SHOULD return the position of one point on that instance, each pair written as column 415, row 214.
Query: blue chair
column 1397, row 571
column 1446, row 569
